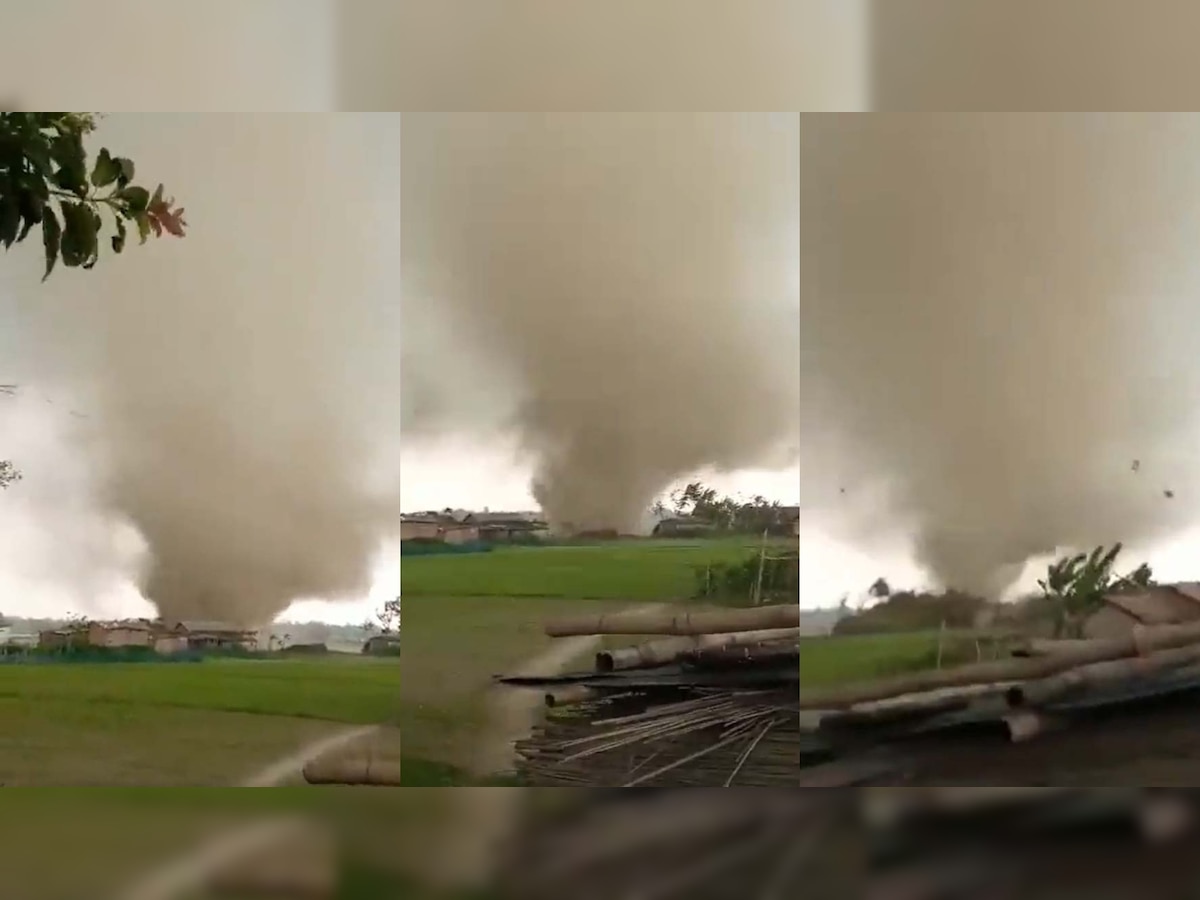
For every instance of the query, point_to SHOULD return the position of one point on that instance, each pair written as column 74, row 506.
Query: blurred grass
column 826, row 661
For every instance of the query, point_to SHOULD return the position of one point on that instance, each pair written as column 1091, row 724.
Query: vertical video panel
column 939, row 55
column 201, row 457
column 599, row 481
column 1000, row 516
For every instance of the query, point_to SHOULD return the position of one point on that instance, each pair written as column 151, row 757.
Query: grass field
column 209, row 723
column 826, row 661
column 629, row 570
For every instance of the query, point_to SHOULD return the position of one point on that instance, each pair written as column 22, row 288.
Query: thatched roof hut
column 1160, row 604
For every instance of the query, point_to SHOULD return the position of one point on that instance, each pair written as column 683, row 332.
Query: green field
column 209, row 723
column 629, row 570
column 452, row 648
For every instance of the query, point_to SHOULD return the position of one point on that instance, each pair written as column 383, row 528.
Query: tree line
column 725, row 513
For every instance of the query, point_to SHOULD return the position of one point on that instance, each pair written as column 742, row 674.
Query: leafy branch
column 43, row 164
column 1076, row 586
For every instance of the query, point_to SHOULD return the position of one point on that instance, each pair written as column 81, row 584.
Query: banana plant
column 1077, row 585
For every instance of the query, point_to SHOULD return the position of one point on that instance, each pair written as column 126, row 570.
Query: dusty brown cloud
column 626, row 282
column 242, row 384
column 996, row 319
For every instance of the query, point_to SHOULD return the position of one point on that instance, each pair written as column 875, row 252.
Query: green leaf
column 10, row 219
column 106, row 170
column 51, row 238
column 67, row 150
column 127, row 170
column 79, row 243
column 94, row 255
column 32, row 208
column 118, row 239
column 37, row 151
column 138, row 198
column 143, row 225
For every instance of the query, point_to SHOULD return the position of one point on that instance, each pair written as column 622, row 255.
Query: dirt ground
column 1157, row 746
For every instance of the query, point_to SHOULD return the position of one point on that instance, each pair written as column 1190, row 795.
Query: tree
column 729, row 513
column 44, row 165
column 389, row 617
column 880, row 589
column 1075, row 586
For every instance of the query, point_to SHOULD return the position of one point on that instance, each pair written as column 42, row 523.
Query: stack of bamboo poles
column 622, row 728
column 1030, row 693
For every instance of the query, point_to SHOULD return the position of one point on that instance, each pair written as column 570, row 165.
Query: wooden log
column 1048, row 646
column 355, row 770
column 691, row 623
column 666, row 650
column 1045, row 690
column 721, row 657
column 1139, row 641
column 570, row 694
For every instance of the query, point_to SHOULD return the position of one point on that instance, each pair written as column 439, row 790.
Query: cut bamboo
column 709, row 622
column 1093, row 675
column 713, row 657
column 361, row 770
column 1139, row 641
column 1049, row 646
column 572, row 693
column 666, row 650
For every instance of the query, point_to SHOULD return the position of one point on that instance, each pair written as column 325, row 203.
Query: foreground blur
column 881, row 844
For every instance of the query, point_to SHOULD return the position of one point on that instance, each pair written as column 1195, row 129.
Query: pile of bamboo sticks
column 619, row 727
column 1045, row 687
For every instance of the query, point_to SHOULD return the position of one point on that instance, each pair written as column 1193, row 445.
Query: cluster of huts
column 465, row 527
column 155, row 634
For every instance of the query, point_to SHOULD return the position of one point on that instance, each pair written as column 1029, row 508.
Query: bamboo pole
column 1047, row 646
column 1141, row 640
column 665, row 650
column 570, row 694
column 1094, row 674
column 354, row 770
column 762, row 561
column 708, row 622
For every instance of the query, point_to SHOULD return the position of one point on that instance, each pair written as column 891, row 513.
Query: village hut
column 1160, row 604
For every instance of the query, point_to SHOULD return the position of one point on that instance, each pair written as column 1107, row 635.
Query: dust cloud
column 240, row 383
column 998, row 318
column 623, row 288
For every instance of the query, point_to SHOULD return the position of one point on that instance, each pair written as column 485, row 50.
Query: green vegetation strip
column 835, row 660
column 631, row 570
column 356, row 691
